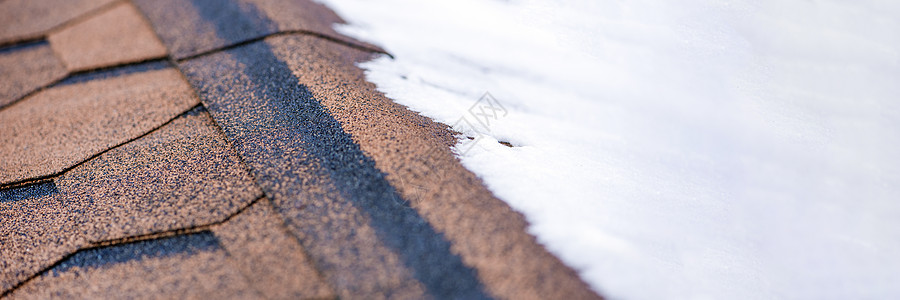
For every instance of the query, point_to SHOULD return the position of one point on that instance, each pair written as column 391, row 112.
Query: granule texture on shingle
column 267, row 254
column 414, row 153
column 192, row 266
column 119, row 35
column 57, row 128
column 307, row 169
column 201, row 26
column 30, row 19
column 181, row 176
column 299, row 15
column 26, row 69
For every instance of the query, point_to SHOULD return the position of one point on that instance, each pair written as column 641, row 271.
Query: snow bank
column 687, row 150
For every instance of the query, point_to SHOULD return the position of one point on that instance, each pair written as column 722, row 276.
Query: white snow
column 673, row 149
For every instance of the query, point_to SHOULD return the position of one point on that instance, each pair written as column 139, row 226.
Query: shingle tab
column 190, row 266
column 29, row 19
column 182, row 175
column 119, row 35
column 25, row 69
column 364, row 238
column 60, row 127
column 363, row 198
column 269, row 256
column 412, row 151
column 204, row 25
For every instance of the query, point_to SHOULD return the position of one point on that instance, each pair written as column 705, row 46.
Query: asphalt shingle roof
column 248, row 158
column 181, row 176
column 276, row 122
column 192, row 266
column 27, row 68
column 30, row 19
column 116, row 36
column 199, row 26
column 270, row 257
column 62, row 126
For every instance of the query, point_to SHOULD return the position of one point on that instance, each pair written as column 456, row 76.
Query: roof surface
column 232, row 149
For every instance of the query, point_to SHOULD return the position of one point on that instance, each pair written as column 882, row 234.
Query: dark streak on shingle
column 293, row 146
column 414, row 153
column 337, row 158
column 188, row 244
column 205, row 25
column 31, row 191
column 115, row 71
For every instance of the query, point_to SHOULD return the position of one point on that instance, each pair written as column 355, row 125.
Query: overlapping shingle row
column 200, row 26
column 27, row 68
column 25, row 20
column 182, row 175
column 62, row 126
column 252, row 161
column 78, row 36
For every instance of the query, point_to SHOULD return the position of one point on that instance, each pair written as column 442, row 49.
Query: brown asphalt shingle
column 199, row 26
column 24, row 70
column 363, row 198
column 180, row 176
column 414, row 153
column 62, row 126
column 118, row 35
column 313, row 130
column 190, row 266
column 29, row 19
column 271, row 258
column 337, row 234
column 251, row 255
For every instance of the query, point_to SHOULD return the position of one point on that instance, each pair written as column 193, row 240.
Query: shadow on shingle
column 23, row 46
column 285, row 113
column 116, row 71
column 31, row 191
column 188, row 244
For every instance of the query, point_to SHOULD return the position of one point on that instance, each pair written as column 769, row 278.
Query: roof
column 234, row 149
